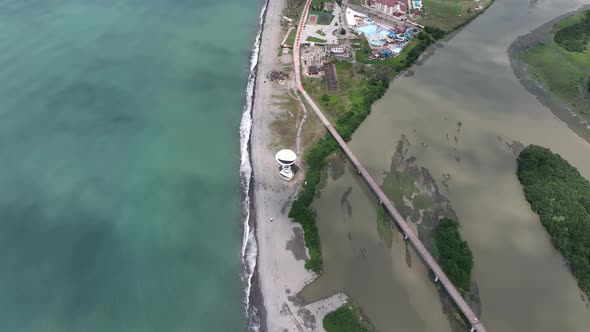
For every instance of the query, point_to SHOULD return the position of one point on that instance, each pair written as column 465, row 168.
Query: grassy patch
column 384, row 226
column 561, row 197
column 347, row 318
column 291, row 38
column 399, row 184
column 449, row 14
column 320, row 32
column 316, row 40
column 564, row 73
column 284, row 126
column 422, row 201
column 313, row 129
column 351, row 89
column 454, row 254
column 569, row 21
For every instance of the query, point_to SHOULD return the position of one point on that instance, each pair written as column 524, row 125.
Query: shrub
column 454, row 254
column 343, row 319
column 575, row 37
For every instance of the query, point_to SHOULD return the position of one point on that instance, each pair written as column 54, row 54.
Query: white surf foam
column 249, row 244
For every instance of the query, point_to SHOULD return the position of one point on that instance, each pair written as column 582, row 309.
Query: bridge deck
column 383, row 199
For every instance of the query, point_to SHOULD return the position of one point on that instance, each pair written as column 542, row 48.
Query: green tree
column 454, row 254
column 561, row 197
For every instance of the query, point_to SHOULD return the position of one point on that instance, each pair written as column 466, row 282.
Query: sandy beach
column 281, row 252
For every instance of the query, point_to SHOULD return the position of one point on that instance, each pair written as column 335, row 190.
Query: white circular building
column 286, row 158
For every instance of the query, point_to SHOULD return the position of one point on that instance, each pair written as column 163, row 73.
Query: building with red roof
column 390, row 7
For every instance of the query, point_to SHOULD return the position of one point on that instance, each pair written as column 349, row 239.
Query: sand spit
column 281, row 271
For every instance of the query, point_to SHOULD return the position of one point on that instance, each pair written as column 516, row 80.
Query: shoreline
column 255, row 313
column 279, row 272
column 558, row 107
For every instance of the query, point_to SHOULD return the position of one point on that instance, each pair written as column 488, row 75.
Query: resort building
column 390, row 7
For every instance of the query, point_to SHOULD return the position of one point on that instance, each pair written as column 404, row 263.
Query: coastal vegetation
column 360, row 87
column 454, row 255
column 561, row 197
column 563, row 63
column 575, row 37
column 346, row 319
column 450, row 14
column 291, row 38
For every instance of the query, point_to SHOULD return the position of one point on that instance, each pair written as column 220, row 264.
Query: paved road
column 440, row 276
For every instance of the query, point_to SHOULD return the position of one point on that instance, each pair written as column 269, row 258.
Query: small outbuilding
column 312, row 70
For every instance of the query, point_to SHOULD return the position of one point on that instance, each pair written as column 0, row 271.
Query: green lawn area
column 569, row 21
column 564, row 73
column 291, row 39
column 320, row 32
column 447, row 14
column 351, row 85
column 316, row 40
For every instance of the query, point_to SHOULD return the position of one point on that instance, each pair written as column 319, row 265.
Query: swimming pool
column 375, row 34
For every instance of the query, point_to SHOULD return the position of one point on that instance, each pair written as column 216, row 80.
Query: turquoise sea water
column 119, row 154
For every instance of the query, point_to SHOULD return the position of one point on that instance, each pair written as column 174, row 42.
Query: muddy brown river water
column 524, row 283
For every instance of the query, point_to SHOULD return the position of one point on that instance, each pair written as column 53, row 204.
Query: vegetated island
column 420, row 202
column 553, row 62
column 561, row 197
column 454, row 254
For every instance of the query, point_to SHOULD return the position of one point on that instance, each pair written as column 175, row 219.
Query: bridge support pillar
column 435, row 278
column 405, row 236
column 472, row 329
column 380, row 202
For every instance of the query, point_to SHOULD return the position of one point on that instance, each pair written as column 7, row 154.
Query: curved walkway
column 440, row 276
